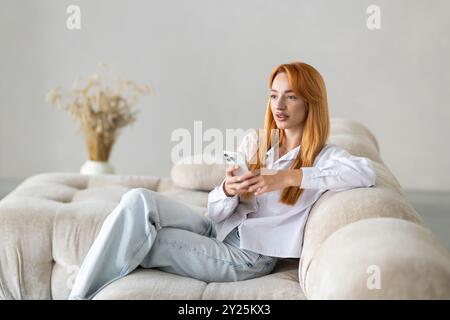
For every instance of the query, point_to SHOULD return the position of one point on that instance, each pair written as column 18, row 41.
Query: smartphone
column 236, row 158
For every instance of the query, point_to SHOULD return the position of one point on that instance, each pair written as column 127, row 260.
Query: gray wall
column 210, row 60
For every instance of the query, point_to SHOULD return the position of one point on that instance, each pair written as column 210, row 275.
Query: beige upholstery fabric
column 48, row 223
column 410, row 262
column 154, row 284
column 198, row 173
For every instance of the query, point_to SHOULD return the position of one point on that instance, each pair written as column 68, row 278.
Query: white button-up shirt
column 271, row 228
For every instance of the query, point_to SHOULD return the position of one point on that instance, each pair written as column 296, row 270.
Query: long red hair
column 307, row 83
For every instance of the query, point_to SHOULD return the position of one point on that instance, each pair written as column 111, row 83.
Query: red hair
column 307, row 83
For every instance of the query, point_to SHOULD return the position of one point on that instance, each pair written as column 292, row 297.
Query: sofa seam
column 52, row 250
column 3, row 290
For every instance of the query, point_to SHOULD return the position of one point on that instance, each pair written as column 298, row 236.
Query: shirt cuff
column 222, row 191
column 310, row 178
column 219, row 194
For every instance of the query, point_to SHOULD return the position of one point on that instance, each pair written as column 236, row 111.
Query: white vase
column 91, row 167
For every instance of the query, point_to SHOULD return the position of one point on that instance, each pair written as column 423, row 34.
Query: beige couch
column 361, row 243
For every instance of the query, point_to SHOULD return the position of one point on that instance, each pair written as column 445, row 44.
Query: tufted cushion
column 155, row 284
column 198, row 172
column 49, row 222
column 397, row 258
column 335, row 210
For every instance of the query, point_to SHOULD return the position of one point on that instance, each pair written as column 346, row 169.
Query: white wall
column 210, row 60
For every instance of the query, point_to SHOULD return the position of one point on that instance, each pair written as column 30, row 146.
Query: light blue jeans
column 151, row 230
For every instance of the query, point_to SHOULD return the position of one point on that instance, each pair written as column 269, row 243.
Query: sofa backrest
column 343, row 218
column 335, row 210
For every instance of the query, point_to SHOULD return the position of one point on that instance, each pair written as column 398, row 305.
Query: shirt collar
column 292, row 154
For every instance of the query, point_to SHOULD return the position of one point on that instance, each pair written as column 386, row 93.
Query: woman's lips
column 280, row 116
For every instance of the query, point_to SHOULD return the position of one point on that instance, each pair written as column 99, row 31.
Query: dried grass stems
column 99, row 111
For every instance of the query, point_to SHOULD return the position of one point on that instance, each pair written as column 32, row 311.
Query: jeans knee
column 137, row 194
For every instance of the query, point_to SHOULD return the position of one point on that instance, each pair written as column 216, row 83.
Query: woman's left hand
column 266, row 180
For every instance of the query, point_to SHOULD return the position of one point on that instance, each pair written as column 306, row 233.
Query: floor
column 434, row 207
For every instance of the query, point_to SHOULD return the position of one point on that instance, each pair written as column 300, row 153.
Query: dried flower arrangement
column 100, row 111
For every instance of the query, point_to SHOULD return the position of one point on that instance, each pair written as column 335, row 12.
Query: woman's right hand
column 232, row 185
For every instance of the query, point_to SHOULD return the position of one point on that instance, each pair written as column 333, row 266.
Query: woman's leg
column 189, row 254
column 127, row 235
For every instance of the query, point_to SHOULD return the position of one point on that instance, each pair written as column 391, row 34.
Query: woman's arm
column 223, row 199
column 338, row 170
column 220, row 205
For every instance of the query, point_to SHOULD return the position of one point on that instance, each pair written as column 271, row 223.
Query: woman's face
column 288, row 109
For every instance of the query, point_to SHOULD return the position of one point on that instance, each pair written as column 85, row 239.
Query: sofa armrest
column 26, row 260
column 39, row 221
column 380, row 258
column 346, row 233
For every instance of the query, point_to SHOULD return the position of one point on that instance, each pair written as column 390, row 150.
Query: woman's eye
column 289, row 97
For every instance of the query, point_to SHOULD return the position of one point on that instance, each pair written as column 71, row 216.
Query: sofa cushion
column 198, row 172
column 281, row 284
column 380, row 258
column 49, row 222
column 335, row 210
column 154, row 284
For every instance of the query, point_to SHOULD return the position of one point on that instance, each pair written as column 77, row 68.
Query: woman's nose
column 280, row 105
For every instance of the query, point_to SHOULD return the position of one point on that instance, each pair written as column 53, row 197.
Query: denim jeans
column 151, row 230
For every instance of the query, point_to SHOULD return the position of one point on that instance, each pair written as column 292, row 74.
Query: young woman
column 253, row 219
